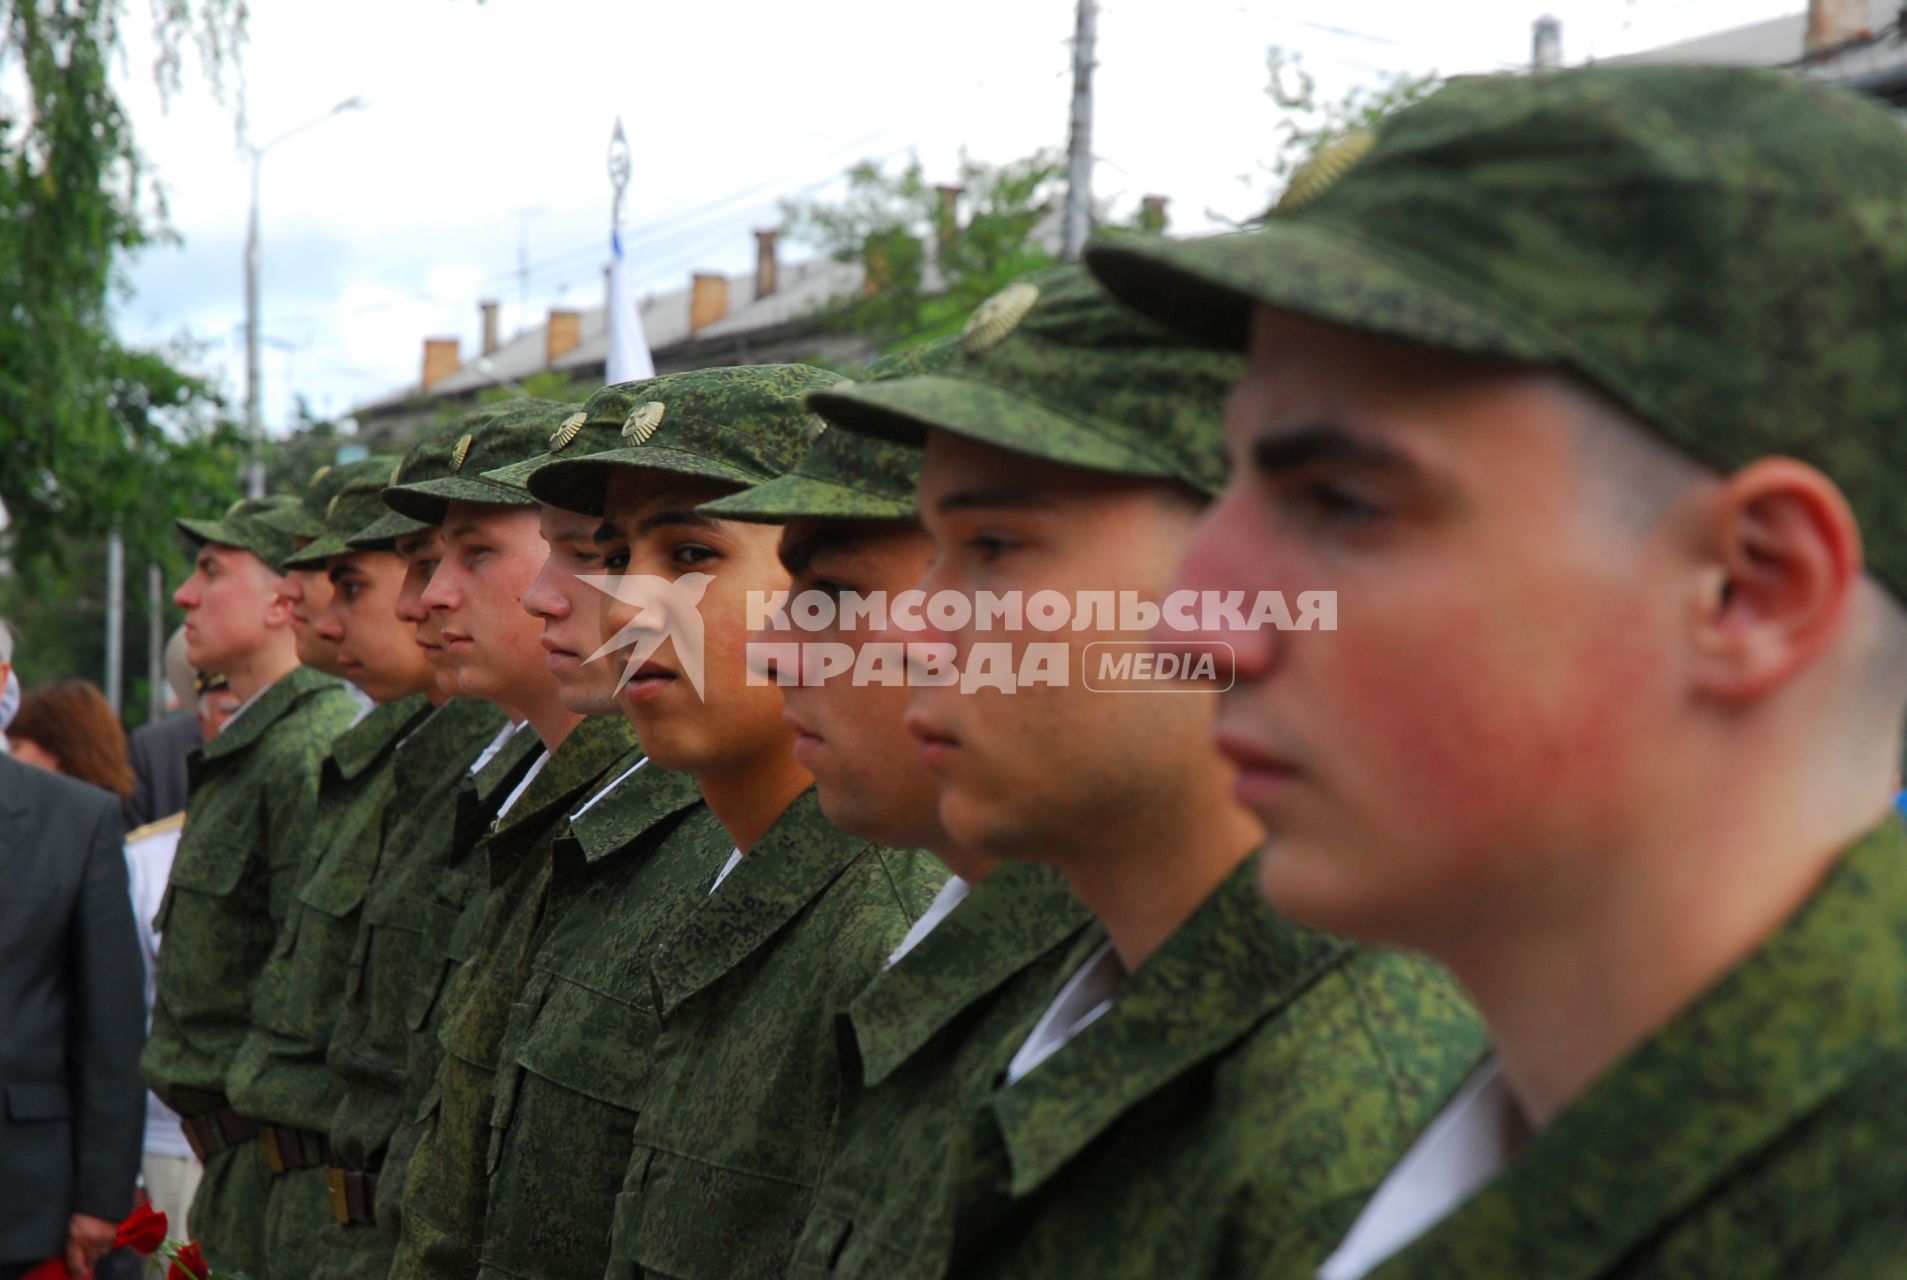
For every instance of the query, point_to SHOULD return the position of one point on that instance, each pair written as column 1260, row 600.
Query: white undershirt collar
column 1080, row 1003
column 951, row 895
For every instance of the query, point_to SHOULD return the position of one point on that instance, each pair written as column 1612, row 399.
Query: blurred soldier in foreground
column 1609, row 490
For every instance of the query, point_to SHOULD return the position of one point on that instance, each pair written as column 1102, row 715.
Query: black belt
column 287, row 1149
column 353, row 1195
column 214, row 1131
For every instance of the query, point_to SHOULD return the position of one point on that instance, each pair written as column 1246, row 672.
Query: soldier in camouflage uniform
column 304, row 589
column 428, row 839
column 247, row 823
column 279, row 1076
column 926, row 1036
column 736, row 939
column 1213, row 1089
column 1585, row 391
column 492, row 554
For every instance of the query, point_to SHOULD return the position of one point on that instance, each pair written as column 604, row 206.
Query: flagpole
column 627, row 358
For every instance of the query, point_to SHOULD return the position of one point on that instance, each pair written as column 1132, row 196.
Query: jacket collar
column 589, row 752
column 1009, row 920
column 632, row 807
column 274, row 703
column 1232, row 965
column 365, row 742
column 786, row 870
column 1827, row 992
column 447, row 738
column 504, row 770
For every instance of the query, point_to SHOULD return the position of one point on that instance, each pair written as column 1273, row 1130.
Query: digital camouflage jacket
column 252, row 790
column 1250, row 1086
column 581, row 1046
column 925, row 1044
column 1760, row 1135
column 446, row 1183
column 279, row 1072
column 740, row 1111
column 432, row 899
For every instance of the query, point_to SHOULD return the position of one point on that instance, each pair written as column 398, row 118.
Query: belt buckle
column 334, row 1178
column 274, row 1158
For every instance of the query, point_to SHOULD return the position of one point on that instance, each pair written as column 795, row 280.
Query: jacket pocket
column 687, row 1218
column 211, row 866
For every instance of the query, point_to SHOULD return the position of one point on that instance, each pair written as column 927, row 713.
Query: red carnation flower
column 188, row 1264
column 143, row 1232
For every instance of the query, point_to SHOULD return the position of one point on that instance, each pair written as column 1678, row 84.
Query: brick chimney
column 1832, row 22
column 563, row 336
column 442, row 357
column 947, row 215
column 1152, row 213
column 766, row 265
column 708, row 300
column 491, row 340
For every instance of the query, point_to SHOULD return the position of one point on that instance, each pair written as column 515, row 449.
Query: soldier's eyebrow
column 994, row 499
column 686, row 516
column 467, row 529
column 339, row 572
column 1326, row 444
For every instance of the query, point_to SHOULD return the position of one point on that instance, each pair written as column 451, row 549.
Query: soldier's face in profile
column 574, row 612
column 231, row 604
column 491, row 556
column 420, row 552
column 1477, row 727
column 1050, row 770
column 853, row 736
column 376, row 650
column 731, row 725
column 306, row 593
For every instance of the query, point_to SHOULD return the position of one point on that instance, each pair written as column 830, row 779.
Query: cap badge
column 997, row 317
column 234, row 509
column 331, row 507
column 1321, row 172
column 396, row 471
column 458, row 454
column 317, row 477
column 571, row 428
column 642, row 422
column 816, row 426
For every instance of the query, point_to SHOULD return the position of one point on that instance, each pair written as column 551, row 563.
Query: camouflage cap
column 428, row 459
column 846, row 476
column 491, row 437
column 305, row 517
column 743, row 424
column 1053, row 368
column 358, row 502
column 1721, row 249
column 242, row 527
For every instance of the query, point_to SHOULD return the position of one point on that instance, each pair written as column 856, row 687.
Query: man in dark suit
column 72, row 1022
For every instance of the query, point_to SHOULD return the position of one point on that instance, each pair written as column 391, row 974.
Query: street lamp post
column 254, row 424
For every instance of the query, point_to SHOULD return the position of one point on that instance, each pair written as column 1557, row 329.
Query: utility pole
column 254, row 420
column 155, row 642
column 115, row 616
column 523, row 267
column 1079, row 147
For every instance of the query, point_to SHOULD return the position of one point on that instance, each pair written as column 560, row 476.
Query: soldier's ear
column 1785, row 562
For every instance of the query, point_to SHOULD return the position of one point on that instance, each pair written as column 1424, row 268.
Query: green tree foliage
column 92, row 433
column 927, row 272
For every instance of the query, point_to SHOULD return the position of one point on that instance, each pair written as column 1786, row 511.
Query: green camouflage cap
column 846, row 476
column 743, row 424
column 305, row 517
column 1053, row 368
column 1724, row 250
column 492, row 437
column 242, row 527
column 358, row 502
column 428, row 459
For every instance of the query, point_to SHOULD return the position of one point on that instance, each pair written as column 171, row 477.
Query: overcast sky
column 487, row 123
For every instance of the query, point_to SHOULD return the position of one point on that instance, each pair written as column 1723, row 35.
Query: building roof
column 1781, row 41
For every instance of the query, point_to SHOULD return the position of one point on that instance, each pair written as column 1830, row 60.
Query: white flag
column 629, row 357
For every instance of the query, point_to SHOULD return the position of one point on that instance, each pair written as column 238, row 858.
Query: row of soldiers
column 1543, row 917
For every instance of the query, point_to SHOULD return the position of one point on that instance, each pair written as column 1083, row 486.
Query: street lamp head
column 353, row 103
